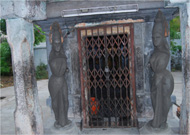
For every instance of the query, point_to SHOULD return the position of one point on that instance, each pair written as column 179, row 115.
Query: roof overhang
column 70, row 13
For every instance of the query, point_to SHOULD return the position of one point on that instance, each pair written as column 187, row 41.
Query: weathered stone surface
column 139, row 57
column 139, row 67
column 184, row 7
column 70, row 46
column 7, row 9
column 28, row 116
column 66, row 5
column 148, row 113
column 70, row 129
column 185, row 34
column 162, row 84
column 147, row 101
column 72, row 21
column 33, row 10
column 57, row 83
column 148, row 49
column 77, row 110
column 168, row 41
column 143, row 47
column 143, row 50
column 140, row 104
column 147, row 129
column 72, row 43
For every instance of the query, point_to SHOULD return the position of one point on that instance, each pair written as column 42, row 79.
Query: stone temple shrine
column 107, row 47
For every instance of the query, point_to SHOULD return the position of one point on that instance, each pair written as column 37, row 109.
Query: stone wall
column 143, row 50
column 74, row 73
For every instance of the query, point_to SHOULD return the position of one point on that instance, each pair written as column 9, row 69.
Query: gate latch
column 107, row 69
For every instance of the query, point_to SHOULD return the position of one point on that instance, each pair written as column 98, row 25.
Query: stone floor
column 7, row 106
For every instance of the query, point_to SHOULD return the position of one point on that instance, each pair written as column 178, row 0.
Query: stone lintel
column 147, row 15
column 31, row 10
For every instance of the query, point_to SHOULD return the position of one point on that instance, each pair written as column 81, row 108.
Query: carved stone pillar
column 28, row 115
column 184, row 10
column 185, row 38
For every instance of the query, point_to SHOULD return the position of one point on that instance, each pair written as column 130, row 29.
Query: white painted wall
column 178, row 1
column 40, row 54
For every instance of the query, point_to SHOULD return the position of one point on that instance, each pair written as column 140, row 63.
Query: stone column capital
column 32, row 9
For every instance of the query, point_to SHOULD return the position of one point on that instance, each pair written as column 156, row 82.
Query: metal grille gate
column 107, row 75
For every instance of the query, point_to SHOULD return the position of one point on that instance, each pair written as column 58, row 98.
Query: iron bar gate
column 106, row 56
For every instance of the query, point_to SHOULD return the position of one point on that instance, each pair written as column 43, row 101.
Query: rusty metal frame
column 131, row 72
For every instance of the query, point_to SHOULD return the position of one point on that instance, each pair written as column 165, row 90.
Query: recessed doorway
column 107, row 76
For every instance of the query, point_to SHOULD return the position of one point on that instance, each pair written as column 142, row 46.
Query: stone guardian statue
column 57, row 84
column 162, row 83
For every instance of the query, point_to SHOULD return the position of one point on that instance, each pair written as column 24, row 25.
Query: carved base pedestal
column 148, row 129
column 69, row 129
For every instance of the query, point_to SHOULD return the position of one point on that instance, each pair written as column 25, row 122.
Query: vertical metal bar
column 82, row 80
column 94, row 63
column 107, row 75
column 88, row 77
column 115, row 98
column 101, row 99
column 100, row 69
column 121, row 98
column 93, row 70
column 133, row 74
column 126, row 68
column 130, row 78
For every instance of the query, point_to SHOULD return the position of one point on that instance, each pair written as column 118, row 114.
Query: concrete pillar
column 28, row 115
column 185, row 37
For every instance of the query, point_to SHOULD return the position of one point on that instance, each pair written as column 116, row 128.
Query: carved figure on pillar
column 57, row 84
column 163, row 83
